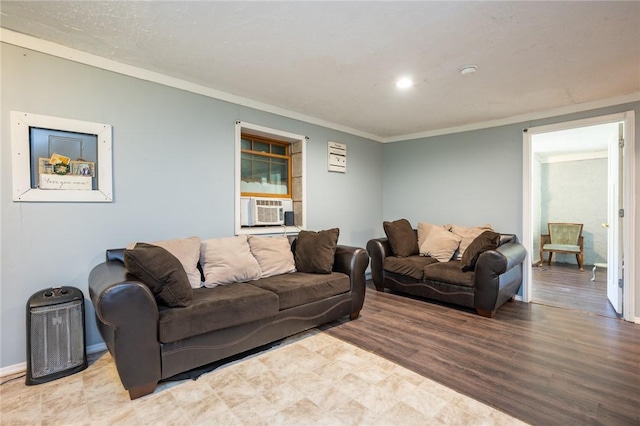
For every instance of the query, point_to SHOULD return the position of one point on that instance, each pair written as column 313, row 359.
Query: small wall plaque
column 337, row 157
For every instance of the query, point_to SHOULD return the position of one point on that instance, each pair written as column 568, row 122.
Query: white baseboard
column 22, row 367
column 13, row 369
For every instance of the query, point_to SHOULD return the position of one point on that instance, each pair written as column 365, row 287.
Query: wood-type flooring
column 564, row 286
column 541, row 364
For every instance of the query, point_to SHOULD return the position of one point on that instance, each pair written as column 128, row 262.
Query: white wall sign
column 337, row 157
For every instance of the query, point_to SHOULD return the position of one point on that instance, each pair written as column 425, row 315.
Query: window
column 265, row 167
column 269, row 164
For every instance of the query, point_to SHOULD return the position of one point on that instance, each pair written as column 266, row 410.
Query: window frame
column 294, row 140
column 287, row 156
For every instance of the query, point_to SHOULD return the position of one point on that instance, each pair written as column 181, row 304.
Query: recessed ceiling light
column 404, row 83
column 468, row 69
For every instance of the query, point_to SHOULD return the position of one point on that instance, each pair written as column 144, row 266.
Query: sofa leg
column 354, row 315
column 486, row 313
column 137, row 392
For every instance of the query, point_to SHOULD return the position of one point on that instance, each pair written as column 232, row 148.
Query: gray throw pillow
column 402, row 239
column 488, row 240
column 315, row 251
column 162, row 272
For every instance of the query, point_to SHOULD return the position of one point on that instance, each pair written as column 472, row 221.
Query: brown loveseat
column 150, row 341
column 487, row 282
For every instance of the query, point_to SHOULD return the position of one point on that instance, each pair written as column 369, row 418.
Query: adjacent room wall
column 173, row 173
column 576, row 191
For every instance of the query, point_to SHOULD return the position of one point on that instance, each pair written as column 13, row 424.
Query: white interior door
column 614, row 234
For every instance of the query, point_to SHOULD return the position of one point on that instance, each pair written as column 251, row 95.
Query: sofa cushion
column 448, row 272
column 411, row 266
column 215, row 309
column 227, row 261
column 316, row 251
column 273, row 254
column 299, row 288
column 488, row 240
column 187, row 251
column 161, row 271
column 402, row 239
column 468, row 234
column 440, row 244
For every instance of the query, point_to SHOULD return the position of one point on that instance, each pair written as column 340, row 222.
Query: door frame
column 629, row 201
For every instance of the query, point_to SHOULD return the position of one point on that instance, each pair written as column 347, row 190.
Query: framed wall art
column 60, row 160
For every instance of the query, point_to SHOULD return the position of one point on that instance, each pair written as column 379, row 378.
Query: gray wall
column 468, row 179
column 576, row 191
column 173, row 169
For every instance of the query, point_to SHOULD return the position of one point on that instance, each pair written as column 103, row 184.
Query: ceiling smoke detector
column 468, row 69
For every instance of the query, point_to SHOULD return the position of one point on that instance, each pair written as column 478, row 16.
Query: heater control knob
column 48, row 294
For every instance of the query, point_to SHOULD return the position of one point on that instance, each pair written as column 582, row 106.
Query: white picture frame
column 21, row 122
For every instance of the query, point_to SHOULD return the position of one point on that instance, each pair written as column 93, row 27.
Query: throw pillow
column 273, row 254
column 440, row 244
column 315, row 251
column 468, row 234
column 187, row 250
column 162, row 272
column 423, row 231
column 402, row 238
column 228, row 260
column 488, row 240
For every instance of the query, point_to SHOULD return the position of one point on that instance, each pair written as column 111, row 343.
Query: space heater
column 55, row 334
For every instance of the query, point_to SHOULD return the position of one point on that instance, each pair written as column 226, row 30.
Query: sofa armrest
column 378, row 249
column 353, row 261
column 498, row 275
column 127, row 317
column 493, row 263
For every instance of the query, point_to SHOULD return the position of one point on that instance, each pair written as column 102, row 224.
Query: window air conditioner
column 265, row 211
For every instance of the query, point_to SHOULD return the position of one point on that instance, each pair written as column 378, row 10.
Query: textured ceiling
column 337, row 61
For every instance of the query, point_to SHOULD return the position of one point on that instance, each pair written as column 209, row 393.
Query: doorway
column 569, row 171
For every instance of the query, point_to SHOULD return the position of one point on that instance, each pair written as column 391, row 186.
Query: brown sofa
column 150, row 342
column 494, row 280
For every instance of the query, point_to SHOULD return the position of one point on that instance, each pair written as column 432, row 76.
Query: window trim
column 266, row 132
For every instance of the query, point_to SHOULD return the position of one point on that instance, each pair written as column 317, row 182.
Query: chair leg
column 549, row 261
column 593, row 276
column 580, row 260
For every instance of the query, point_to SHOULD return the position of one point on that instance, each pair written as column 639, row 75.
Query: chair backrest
column 565, row 233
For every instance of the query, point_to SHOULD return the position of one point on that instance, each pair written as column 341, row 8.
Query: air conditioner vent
column 266, row 211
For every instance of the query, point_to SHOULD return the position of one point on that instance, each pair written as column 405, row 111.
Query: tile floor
column 311, row 378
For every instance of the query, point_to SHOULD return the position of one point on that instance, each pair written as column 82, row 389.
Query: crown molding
column 58, row 50
column 587, row 106
column 64, row 52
